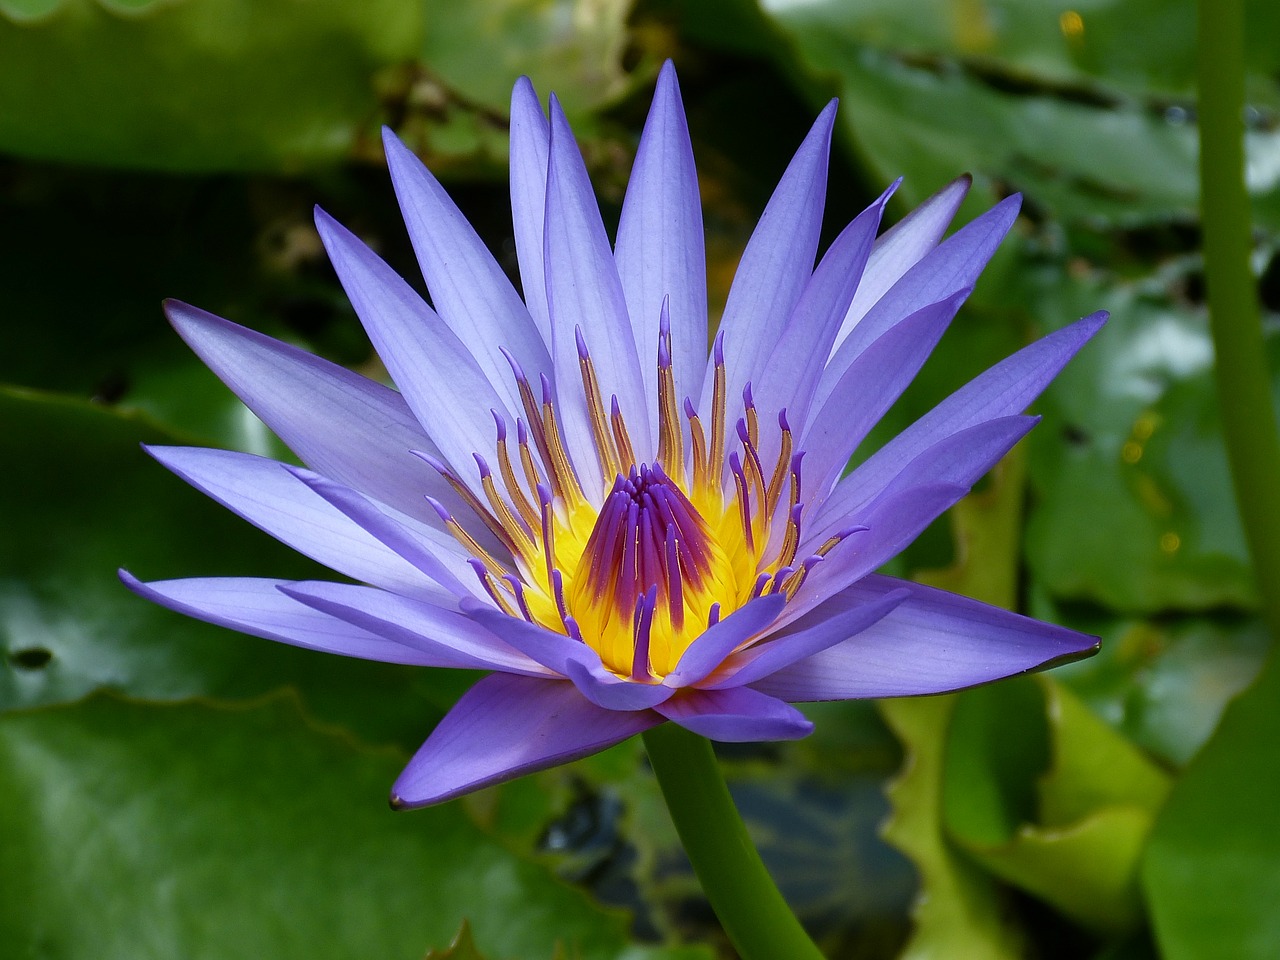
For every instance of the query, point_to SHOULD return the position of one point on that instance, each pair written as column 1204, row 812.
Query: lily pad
column 204, row 831
column 196, row 84
column 1212, row 871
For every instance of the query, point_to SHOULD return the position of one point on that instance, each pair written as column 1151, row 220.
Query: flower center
column 650, row 563
column 672, row 547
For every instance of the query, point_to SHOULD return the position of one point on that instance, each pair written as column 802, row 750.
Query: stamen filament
column 600, row 431
column 523, row 506
column 620, row 435
column 718, row 402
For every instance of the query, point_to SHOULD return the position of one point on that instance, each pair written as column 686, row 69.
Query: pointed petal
column 660, row 251
column 816, row 631
column 868, row 388
column 902, row 246
column 790, row 378
column 273, row 500
column 739, row 715
column 436, row 554
column 775, row 266
column 341, row 424
column 710, row 649
column 470, row 292
column 583, row 291
column 897, row 514
column 932, row 642
column 569, row 658
column 257, row 607
column 444, row 386
column 451, row 639
column 952, row 267
column 1006, row 389
column 530, row 135
column 505, row 727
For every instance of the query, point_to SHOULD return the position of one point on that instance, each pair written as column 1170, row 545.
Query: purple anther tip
column 544, row 494
column 743, row 434
column 582, row 344
column 501, row 424
column 735, row 462
column 782, row 420
column 516, row 369
column 664, row 318
column 439, row 508
column 717, row 349
column 713, row 615
column 484, row 467
column 795, row 513
column 689, row 411
column 432, row 461
column 796, row 458
column 546, row 388
column 746, row 394
column 477, row 566
column 522, row 432
column 852, row 529
column 664, row 355
column 614, row 409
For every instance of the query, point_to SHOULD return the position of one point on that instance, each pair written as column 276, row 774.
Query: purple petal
column 952, row 267
column 660, row 250
column 257, row 607
column 1006, row 389
column 711, row 648
column 437, row 555
column 451, row 639
column 816, row 631
column 470, row 291
column 446, row 389
column 739, row 715
column 932, row 642
column 263, row 492
column 340, row 423
column 775, row 266
column 569, row 658
column 898, row 513
column 505, row 727
column 529, row 149
column 902, row 246
column 790, row 377
column 868, row 388
column 584, row 291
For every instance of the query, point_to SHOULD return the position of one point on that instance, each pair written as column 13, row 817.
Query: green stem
column 1244, row 391
column 758, row 921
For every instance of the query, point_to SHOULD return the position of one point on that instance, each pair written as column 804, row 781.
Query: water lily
column 624, row 524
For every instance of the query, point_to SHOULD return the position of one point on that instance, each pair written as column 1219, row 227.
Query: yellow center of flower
column 671, row 549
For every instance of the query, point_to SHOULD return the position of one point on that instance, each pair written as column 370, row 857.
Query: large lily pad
column 204, row 831
column 196, row 84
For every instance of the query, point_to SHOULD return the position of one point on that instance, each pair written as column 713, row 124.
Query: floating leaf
column 197, row 830
column 1075, row 838
column 196, row 84
column 1212, row 870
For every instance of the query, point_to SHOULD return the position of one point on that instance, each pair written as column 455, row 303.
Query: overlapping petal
column 730, row 571
column 506, row 726
column 931, row 642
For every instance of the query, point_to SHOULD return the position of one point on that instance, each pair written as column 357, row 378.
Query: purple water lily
column 572, row 492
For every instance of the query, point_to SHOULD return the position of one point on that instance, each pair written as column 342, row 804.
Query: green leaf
column 200, row 830
column 1048, row 797
column 962, row 912
column 1132, row 441
column 80, row 499
column 1164, row 683
column 196, row 84
column 1212, row 870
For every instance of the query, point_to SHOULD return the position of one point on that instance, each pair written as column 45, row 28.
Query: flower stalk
column 1243, row 384
column 758, row 921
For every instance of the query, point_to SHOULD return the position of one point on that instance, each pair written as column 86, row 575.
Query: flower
column 567, row 491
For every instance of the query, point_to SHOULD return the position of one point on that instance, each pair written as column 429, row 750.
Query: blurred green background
column 172, row 790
